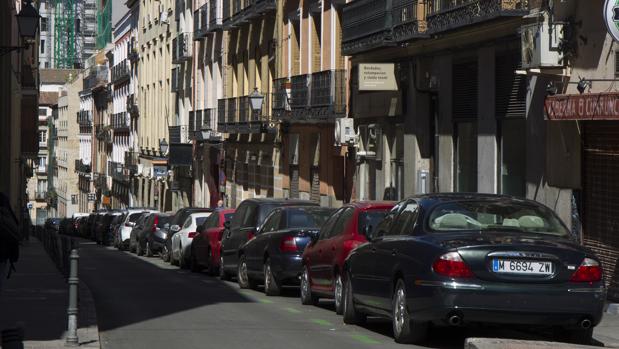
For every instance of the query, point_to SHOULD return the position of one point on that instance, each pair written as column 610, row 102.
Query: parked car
column 323, row 258
column 96, row 225
column 86, row 228
column 123, row 234
column 206, row 246
column 151, row 238
column 181, row 241
column 102, row 228
column 274, row 254
column 52, row 225
column 175, row 225
column 140, row 224
column 115, row 226
column 471, row 258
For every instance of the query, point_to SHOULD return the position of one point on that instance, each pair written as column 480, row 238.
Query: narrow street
column 145, row 303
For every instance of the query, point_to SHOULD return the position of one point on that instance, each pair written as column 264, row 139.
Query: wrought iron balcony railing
column 132, row 105
column 321, row 95
column 238, row 12
column 81, row 167
column 179, row 134
column 443, row 15
column 237, row 116
column 175, row 81
column 200, row 22
column 118, row 173
column 84, row 118
column 97, row 77
column 182, row 47
column 131, row 160
column 281, row 97
column 121, row 122
column 40, row 195
column 133, row 52
column 120, row 72
column 215, row 14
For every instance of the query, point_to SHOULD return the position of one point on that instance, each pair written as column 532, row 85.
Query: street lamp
column 256, row 99
column 28, row 24
column 163, row 146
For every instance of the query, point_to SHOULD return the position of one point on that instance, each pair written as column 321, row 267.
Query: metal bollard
column 74, row 281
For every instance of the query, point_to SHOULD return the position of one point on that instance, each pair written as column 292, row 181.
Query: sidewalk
column 607, row 331
column 36, row 297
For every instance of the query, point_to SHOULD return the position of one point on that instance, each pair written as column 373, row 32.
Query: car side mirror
column 175, row 228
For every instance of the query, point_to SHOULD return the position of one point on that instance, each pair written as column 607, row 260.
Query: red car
column 324, row 257
column 206, row 245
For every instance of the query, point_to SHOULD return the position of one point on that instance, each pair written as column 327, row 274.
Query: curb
column 613, row 308
column 496, row 343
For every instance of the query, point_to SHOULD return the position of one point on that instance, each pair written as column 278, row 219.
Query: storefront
column 598, row 117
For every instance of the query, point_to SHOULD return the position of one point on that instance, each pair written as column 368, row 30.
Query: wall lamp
column 28, row 23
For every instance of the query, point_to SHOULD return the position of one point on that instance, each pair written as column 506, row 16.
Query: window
column 212, row 221
column 342, row 222
column 272, row 222
column 250, row 216
column 326, row 228
column 42, row 112
column 187, row 223
column 405, row 222
column 42, row 46
column 43, row 26
column 239, row 216
column 42, row 136
column 369, row 220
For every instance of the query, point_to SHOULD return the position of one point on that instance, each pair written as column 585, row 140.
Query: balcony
column 238, row 12
column 80, row 167
column 316, row 97
column 41, row 170
column 40, row 195
column 443, row 15
column 120, row 72
column 236, row 116
column 84, row 118
column 133, row 52
column 179, row 134
column 215, row 13
column 281, row 100
column 132, row 105
column 131, row 161
column 96, row 78
column 182, row 47
column 121, row 122
column 118, row 173
column 175, row 82
column 200, row 22
column 100, row 181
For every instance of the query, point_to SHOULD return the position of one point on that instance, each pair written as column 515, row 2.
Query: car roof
column 200, row 214
column 282, row 202
column 369, row 205
column 437, row 198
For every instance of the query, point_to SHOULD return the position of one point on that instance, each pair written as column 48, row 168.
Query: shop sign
column 107, row 201
column 592, row 106
column 377, row 77
column 92, row 197
column 160, row 171
column 611, row 18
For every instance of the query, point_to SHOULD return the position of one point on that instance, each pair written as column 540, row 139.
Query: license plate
column 521, row 267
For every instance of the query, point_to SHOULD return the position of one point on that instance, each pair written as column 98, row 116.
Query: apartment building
column 83, row 165
column 156, row 32
column 210, row 44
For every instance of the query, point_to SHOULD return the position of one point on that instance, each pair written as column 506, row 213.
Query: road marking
column 321, row 322
column 364, row 339
column 293, row 310
column 265, row 301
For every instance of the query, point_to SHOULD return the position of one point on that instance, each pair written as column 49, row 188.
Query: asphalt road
column 144, row 303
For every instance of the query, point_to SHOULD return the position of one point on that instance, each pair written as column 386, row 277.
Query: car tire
column 210, row 268
column 149, row 251
column 242, row 277
column 182, row 260
column 405, row 329
column 193, row 264
column 351, row 315
column 138, row 249
column 307, row 298
column 223, row 275
column 338, row 294
column 271, row 286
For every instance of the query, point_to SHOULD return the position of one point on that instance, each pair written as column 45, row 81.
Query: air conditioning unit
column 540, row 45
column 344, row 131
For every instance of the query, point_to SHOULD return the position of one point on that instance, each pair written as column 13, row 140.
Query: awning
column 591, row 106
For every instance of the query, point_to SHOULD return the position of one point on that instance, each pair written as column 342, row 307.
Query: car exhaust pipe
column 454, row 320
column 585, row 324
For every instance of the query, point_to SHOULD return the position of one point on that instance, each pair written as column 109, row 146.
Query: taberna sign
column 611, row 18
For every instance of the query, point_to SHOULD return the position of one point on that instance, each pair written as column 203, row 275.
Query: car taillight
column 155, row 222
column 452, row 265
column 288, row 244
column 128, row 225
column 588, row 271
column 192, row 234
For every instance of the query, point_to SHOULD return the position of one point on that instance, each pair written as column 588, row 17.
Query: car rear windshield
column 200, row 220
column 505, row 215
column 368, row 220
column 308, row 218
column 163, row 220
column 134, row 217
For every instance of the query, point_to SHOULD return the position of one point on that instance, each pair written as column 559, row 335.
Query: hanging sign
column 611, row 18
column 377, row 77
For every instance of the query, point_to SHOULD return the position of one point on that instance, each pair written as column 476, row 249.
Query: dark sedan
column 274, row 254
column 461, row 259
column 152, row 237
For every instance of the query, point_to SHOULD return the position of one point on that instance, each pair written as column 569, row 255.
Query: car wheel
column 149, row 251
column 182, row 260
column 138, row 249
column 165, row 254
column 306, row 290
column 271, row 286
column 351, row 315
column 193, row 264
column 405, row 329
column 223, row 275
column 242, row 277
column 338, row 292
